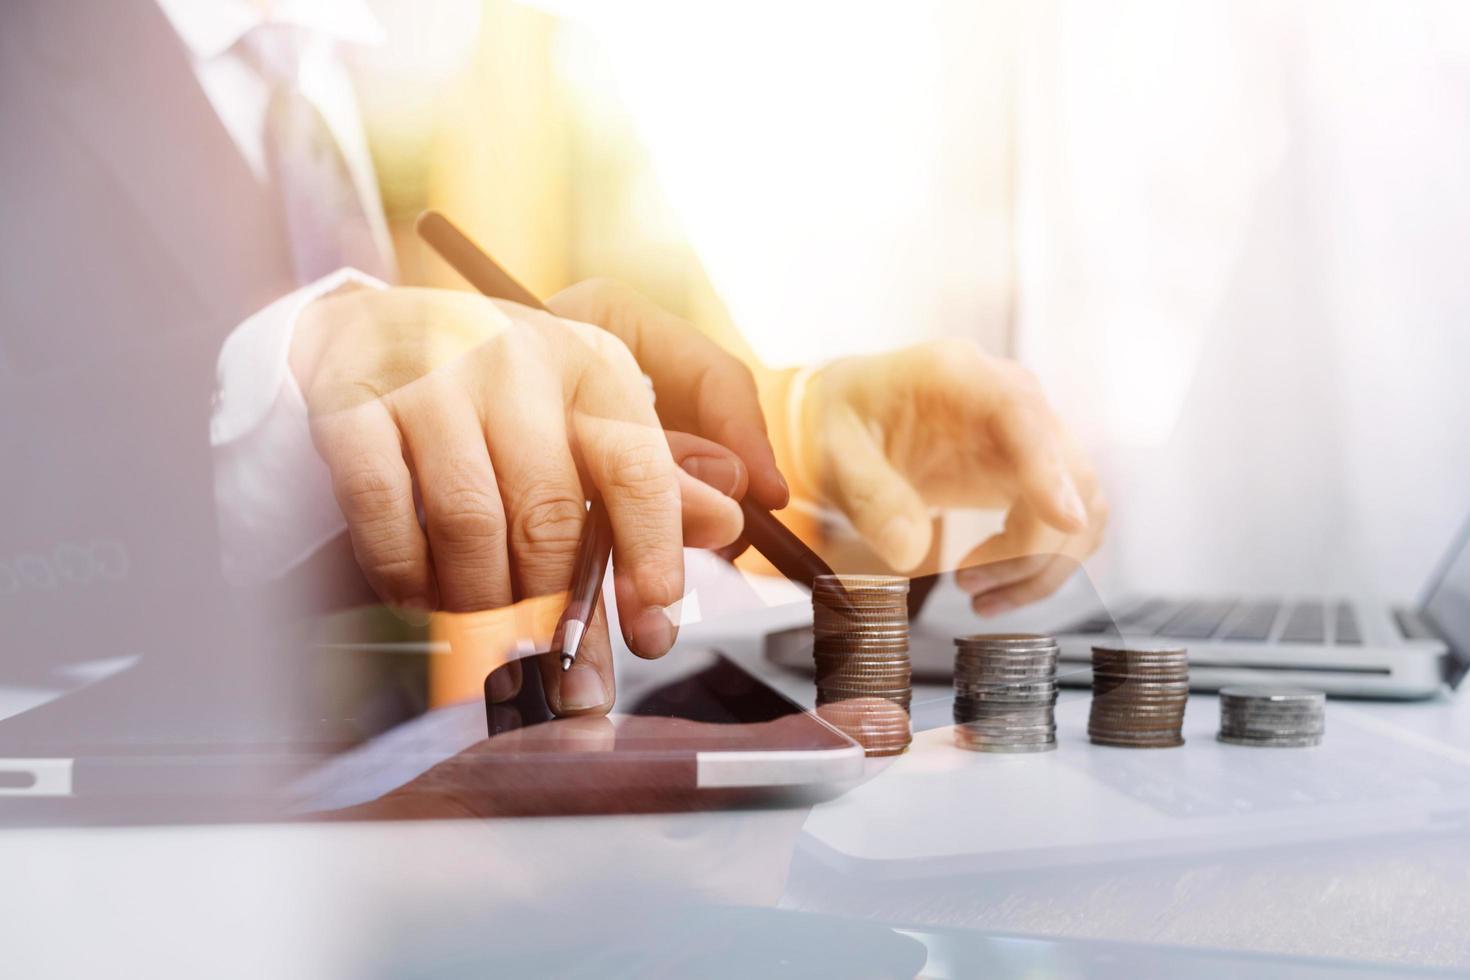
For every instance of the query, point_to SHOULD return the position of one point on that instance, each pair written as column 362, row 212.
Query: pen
column 783, row 549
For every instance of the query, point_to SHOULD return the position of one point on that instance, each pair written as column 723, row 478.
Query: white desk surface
column 1356, row 852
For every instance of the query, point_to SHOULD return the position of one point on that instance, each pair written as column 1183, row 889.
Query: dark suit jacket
column 133, row 239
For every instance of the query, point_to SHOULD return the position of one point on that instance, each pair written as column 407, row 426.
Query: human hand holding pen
column 493, row 417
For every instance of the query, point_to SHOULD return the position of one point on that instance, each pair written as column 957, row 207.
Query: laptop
column 1345, row 647
column 1352, row 648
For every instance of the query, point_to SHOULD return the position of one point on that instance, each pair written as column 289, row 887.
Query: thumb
column 884, row 507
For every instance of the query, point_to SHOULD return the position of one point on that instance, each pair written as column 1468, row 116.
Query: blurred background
column 1231, row 237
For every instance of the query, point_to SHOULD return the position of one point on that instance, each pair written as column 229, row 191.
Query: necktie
column 325, row 217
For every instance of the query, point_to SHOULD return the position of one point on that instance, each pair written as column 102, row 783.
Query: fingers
column 1023, row 431
column 462, row 506
column 1029, row 560
column 630, row 465
column 710, row 463
column 727, row 408
column 374, row 489
column 713, row 478
column 1052, row 575
column 979, row 579
column 504, row 682
column 626, row 455
column 884, row 507
column 588, row 687
column 701, row 386
column 545, row 509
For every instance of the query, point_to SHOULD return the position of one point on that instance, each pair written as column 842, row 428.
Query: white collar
column 211, row 27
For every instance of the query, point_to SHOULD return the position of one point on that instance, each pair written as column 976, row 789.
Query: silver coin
column 1104, row 678
column 887, row 629
column 1140, row 648
column 991, row 738
column 1041, row 717
column 1134, row 723
column 865, row 688
column 1163, row 672
column 1002, row 701
column 1008, row 736
column 970, row 745
column 1268, row 693
column 853, row 580
column 1118, row 743
column 868, row 665
column 1042, row 671
column 861, row 656
column 1005, row 640
column 1036, row 687
column 850, row 631
column 971, row 661
column 986, row 664
column 1275, row 733
column 861, row 641
column 1292, row 742
column 1137, row 710
column 1009, row 672
column 1120, row 695
column 1006, row 724
column 1160, row 673
column 1009, row 749
column 1271, row 726
column 1180, row 686
column 863, row 703
column 1299, row 724
column 1271, row 711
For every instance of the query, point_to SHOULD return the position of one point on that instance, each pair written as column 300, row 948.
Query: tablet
column 691, row 731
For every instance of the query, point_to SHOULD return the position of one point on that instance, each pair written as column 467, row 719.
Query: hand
column 493, row 418
column 887, row 437
column 701, row 388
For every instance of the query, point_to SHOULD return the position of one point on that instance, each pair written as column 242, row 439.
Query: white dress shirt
column 272, row 490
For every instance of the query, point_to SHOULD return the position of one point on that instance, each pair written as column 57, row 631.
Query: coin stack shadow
column 1283, row 717
column 1138, row 696
column 861, row 648
column 1005, row 692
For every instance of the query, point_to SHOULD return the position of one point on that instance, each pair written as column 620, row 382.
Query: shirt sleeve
column 273, row 493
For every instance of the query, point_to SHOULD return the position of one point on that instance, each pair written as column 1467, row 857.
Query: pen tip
column 566, row 661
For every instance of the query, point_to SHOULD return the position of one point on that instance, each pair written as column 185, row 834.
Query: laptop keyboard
column 1244, row 621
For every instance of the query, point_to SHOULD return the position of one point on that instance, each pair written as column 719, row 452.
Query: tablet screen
column 692, row 700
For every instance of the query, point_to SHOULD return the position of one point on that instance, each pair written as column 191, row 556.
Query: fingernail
column 719, row 472
column 973, row 579
column 414, row 612
column 652, row 634
column 581, row 689
column 993, row 606
column 899, row 539
column 504, row 718
column 1072, row 504
column 785, row 488
column 503, row 683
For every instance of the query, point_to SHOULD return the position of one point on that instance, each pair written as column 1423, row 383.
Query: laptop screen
column 1448, row 604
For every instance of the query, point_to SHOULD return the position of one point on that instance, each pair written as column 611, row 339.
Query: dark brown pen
column 783, row 549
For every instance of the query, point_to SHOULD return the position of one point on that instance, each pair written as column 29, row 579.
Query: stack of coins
column 1138, row 696
column 1278, row 716
column 860, row 627
column 1005, row 692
